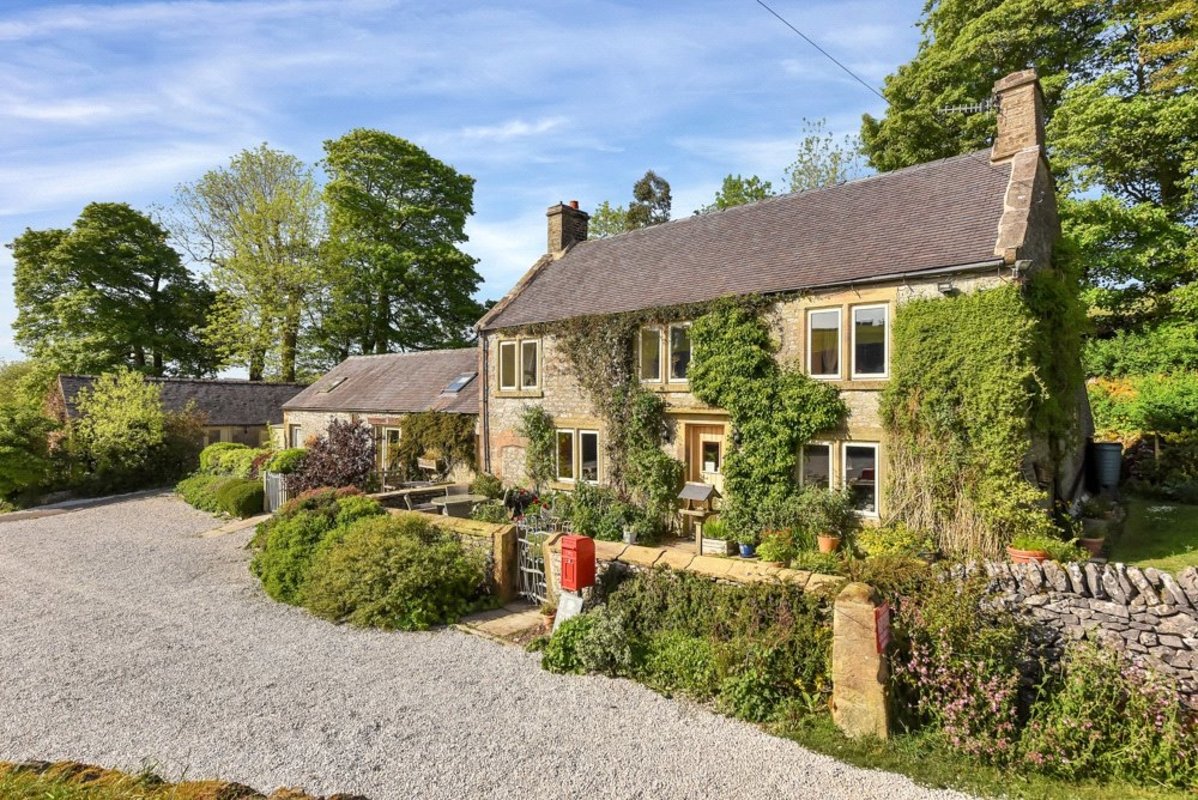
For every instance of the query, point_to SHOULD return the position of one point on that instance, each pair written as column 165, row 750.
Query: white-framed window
column 680, row 352
column 649, row 355
column 823, row 343
column 816, row 465
column 519, row 365
column 588, row 456
column 509, row 365
column 860, row 470
column 870, row 347
column 577, row 455
column 530, row 364
column 565, row 456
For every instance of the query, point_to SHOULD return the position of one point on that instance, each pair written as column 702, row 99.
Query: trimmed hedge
column 210, row 455
column 285, row 462
column 241, row 497
column 200, row 490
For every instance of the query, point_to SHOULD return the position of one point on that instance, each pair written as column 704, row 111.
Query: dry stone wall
column 1146, row 613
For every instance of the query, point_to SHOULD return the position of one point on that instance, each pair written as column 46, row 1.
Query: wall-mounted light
column 946, row 287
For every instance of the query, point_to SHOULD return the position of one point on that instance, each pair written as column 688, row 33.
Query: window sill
column 677, row 387
column 569, row 486
column 860, row 384
column 519, row 393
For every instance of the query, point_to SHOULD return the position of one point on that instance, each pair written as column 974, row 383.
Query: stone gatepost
column 860, row 632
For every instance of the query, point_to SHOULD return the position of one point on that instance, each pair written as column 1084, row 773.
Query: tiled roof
column 396, row 383
column 226, row 402
column 940, row 214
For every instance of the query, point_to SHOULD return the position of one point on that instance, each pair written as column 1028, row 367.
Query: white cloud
column 513, row 129
column 505, row 248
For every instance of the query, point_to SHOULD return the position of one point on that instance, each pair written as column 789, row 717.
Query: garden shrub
column 959, row 666
column 286, row 544
column 449, row 438
column 394, row 572
column 1101, row 716
column 682, row 632
column 675, row 661
column 287, row 461
column 239, row 463
column 815, row 561
column 240, row 497
column 561, row 651
column 210, row 456
column 344, row 456
column 487, row 484
column 893, row 539
column 200, row 491
column 491, row 511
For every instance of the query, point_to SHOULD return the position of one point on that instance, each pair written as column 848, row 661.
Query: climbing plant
column 536, row 425
column 774, row 408
column 446, row 437
column 973, row 378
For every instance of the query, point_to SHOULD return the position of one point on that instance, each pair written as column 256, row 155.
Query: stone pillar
column 860, row 674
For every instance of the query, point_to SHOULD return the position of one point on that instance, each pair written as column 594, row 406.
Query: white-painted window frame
column 514, row 344
column 870, row 376
column 640, row 353
column 578, row 434
column 557, row 455
column 844, row 474
column 668, row 351
column 831, row 448
column 530, row 387
column 839, row 343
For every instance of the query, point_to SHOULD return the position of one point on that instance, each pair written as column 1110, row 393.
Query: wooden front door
column 705, row 455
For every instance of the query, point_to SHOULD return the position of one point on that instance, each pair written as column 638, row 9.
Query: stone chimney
column 567, row 226
column 1020, row 114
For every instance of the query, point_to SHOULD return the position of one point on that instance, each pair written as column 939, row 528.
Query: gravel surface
column 126, row 638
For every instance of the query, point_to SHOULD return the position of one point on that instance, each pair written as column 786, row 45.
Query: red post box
column 578, row 562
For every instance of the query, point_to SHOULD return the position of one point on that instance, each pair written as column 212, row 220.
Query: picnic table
column 458, row 505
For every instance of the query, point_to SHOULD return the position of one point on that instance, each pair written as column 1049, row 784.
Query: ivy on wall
column 536, row 425
column 601, row 351
column 774, row 409
column 435, row 434
column 973, row 378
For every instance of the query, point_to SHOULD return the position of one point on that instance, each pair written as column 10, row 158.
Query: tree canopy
column 398, row 280
column 258, row 223
column 109, row 292
column 650, row 205
column 737, row 191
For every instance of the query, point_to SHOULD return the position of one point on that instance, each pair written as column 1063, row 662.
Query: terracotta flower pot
column 828, row 544
column 1094, row 546
column 1026, row 556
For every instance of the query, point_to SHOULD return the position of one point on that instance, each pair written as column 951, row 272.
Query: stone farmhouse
column 841, row 262
column 381, row 391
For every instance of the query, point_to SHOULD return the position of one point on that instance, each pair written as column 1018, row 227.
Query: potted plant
column 829, row 515
column 548, row 612
column 1029, row 547
column 777, row 546
column 748, row 545
column 716, row 538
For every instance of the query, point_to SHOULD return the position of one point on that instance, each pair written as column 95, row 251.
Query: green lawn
column 1160, row 534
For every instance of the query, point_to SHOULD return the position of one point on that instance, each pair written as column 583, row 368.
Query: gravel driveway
column 124, row 638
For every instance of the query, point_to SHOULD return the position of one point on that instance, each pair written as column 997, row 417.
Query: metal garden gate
column 530, row 562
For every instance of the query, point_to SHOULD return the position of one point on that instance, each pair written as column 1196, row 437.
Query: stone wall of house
column 1143, row 612
column 312, row 423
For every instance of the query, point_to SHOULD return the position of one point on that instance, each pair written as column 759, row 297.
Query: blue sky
column 539, row 101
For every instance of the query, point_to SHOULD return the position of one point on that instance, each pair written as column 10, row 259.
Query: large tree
column 737, row 191
column 650, row 205
column 109, row 292
column 821, row 160
column 258, row 224
column 396, row 218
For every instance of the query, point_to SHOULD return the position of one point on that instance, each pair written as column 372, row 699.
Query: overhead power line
column 823, row 52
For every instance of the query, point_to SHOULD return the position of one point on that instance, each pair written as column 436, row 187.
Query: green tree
column 737, row 191
column 258, row 224
column 607, row 220
column 822, row 161
column 108, row 292
column 396, row 218
column 1122, row 135
column 121, row 423
column 650, row 201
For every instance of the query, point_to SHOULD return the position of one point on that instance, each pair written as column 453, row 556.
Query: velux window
column 519, row 365
column 823, row 343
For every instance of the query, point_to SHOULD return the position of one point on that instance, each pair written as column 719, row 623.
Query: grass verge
column 1158, row 533
column 933, row 764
